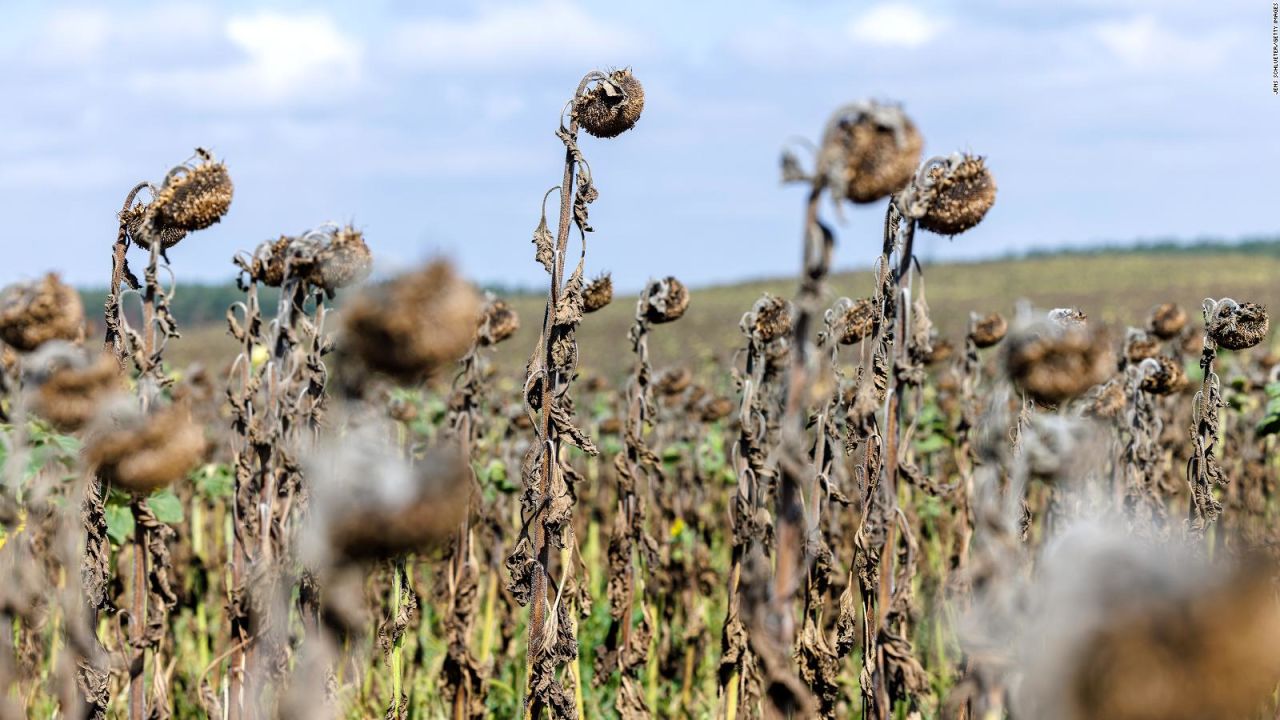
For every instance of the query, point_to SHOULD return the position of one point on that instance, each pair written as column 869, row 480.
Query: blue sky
column 430, row 125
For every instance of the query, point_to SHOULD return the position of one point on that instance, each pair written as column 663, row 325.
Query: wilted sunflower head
column 598, row 293
column 195, row 195
column 1167, row 320
column 611, row 105
column 33, row 313
column 988, row 331
column 664, row 300
column 768, row 320
column 1053, row 363
column 715, row 408
column 1107, row 400
column 1237, row 326
column 270, row 262
column 852, row 320
column 1139, row 345
column 1161, row 375
column 342, row 259
column 951, row 195
column 673, row 381
column 1125, row 631
column 144, row 452
column 192, row 197
column 498, row 321
column 409, row 327
column 940, row 351
column 143, row 228
column 870, row 151
column 370, row 504
column 68, row 384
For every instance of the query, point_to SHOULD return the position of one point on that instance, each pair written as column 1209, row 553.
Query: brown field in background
column 1118, row 289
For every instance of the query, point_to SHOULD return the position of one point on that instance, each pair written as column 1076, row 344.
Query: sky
column 430, row 126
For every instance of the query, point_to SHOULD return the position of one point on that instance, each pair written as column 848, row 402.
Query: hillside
column 1115, row 287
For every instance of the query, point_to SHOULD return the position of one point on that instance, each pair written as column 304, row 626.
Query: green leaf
column 930, row 444
column 69, row 444
column 119, row 523
column 215, row 480
column 1270, row 423
column 495, row 474
column 166, row 506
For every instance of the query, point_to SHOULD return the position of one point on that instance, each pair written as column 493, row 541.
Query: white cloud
column 284, row 51
column 283, row 59
column 514, row 38
column 895, row 25
column 1142, row 42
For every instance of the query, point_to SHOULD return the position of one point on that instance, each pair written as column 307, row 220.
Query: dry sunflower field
column 393, row 502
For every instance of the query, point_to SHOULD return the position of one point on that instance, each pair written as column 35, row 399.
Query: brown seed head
column 1167, row 320
column 940, row 351
column 673, row 381
column 1161, row 375
column 598, row 293
column 769, row 319
column 69, row 383
column 143, row 227
column 664, row 300
column 8, row 361
column 716, row 408
column 1238, row 326
column 1108, row 401
column 1053, row 364
column 854, row 320
column 419, row 509
column 142, row 453
column 873, row 150
column 269, row 260
column 193, row 197
column 498, row 321
column 33, row 313
column 963, row 191
column 989, row 331
column 1139, row 346
column 411, row 326
column 344, row 259
column 610, row 106
column 1210, row 651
